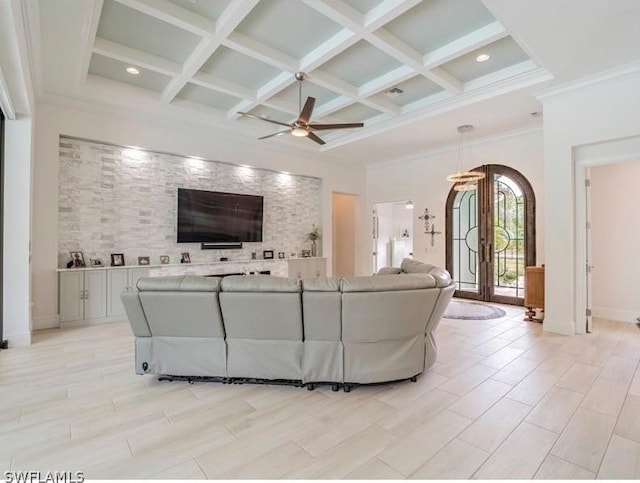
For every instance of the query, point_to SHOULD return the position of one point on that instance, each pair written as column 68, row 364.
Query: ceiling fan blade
column 275, row 134
column 307, row 110
column 315, row 138
column 262, row 118
column 319, row 127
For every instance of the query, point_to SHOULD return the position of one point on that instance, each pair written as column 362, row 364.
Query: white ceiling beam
column 333, row 83
column 228, row 21
column 136, row 57
column 394, row 47
column 381, row 105
column 89, row 38
column 470, row 42
column 215, row 83
column 329, row 49
column 340, row 12
column 173, row 14
column 386, row 81
column 271, row 88
column 386, row 12
column 444, row 79
column 332, row 106
column 259, row 51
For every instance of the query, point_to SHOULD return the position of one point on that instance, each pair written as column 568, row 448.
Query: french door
column 491, row 236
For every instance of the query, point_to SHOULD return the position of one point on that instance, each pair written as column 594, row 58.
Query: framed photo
column 78, row 260
column 267, row 254
column 117, row 259
column 143, row 260
column 306, row 253
column 96, row 262
column 281, row 255
column 186, row 258
column 164, row 259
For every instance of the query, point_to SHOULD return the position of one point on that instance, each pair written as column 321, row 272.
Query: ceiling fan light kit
column 465, row 179
column 302, row 127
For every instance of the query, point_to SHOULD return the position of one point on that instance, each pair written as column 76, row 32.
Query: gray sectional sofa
column 345, row 331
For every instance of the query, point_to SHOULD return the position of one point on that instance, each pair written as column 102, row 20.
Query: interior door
column 491, row 236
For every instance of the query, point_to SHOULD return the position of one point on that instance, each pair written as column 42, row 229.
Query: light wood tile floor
column 504, row 400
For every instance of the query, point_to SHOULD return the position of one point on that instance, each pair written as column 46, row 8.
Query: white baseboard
column 19, row 340
column 46, row 322
column 615, row 314
column 87, row 322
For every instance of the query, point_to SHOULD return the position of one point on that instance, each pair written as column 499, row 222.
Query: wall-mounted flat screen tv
column 215, row 217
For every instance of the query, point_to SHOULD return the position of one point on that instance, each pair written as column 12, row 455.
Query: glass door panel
column 466, row 259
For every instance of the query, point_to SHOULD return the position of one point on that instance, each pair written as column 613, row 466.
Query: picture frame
column 281, row 255
column 267, row 254
column 186, row 258
column 144, row 261
column 306, row 253
column 117, row 259
column 96, row 262
column 78, row 260
column 164, row 259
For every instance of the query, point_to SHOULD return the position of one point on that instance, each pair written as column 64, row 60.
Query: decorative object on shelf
column 465, row 180
column 117, row 259
column 281, row 255
column 313, row 236
column 306, row 253
column 70, row 264
column 293, row 255
column 254, row 255
column 96, row 262
column 144, row 261
column 78, row 260
column 164, row 259
column 267, row 254
column 186, row 258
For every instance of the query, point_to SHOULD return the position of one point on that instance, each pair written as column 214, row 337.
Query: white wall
column 615, row 238
column 604, row 110
column 176, row 137
column 17, row 207
column 423, row 181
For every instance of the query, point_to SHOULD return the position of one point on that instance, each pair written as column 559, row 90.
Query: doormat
column 472, row 311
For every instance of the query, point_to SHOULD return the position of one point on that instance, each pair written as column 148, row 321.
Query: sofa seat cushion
column 259, row 283
column 180, row 283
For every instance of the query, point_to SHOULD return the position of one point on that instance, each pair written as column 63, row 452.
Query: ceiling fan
column 302, row 127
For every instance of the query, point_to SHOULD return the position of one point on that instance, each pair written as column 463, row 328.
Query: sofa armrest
column 135, row 314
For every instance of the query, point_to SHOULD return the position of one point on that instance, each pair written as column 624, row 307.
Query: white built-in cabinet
column 94, row 295
column 119, row 281
column 307, row 268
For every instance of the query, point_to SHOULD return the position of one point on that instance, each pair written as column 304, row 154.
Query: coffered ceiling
column 396, row 65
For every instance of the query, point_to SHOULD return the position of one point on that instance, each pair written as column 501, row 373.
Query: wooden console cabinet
column 533, row 291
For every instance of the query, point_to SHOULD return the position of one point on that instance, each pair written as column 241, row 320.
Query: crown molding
column 627, row 70
column 6, row 104
column 454, row 147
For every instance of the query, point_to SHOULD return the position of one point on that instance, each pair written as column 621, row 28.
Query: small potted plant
column 313, row 236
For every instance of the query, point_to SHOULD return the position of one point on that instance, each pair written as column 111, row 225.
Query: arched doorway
column 491, row 236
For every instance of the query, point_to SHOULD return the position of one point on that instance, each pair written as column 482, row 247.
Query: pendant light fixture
column 465, row 179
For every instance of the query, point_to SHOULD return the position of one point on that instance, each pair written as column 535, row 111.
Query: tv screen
column 214, row 217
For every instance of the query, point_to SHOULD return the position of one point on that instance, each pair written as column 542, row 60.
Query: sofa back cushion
column 183, row 306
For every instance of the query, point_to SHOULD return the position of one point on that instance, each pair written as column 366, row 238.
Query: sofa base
column 335, row 386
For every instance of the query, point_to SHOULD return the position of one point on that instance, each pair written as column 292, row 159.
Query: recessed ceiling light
column 483, row 58
column 133, row 71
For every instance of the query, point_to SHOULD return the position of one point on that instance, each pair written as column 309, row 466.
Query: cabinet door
column 317, row 268
column 95, row 286
column 71, row 296
column 297, row 269
column 117, row 282
column 136, row 274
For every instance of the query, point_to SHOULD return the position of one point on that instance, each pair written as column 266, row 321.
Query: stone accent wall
column 120, row 200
